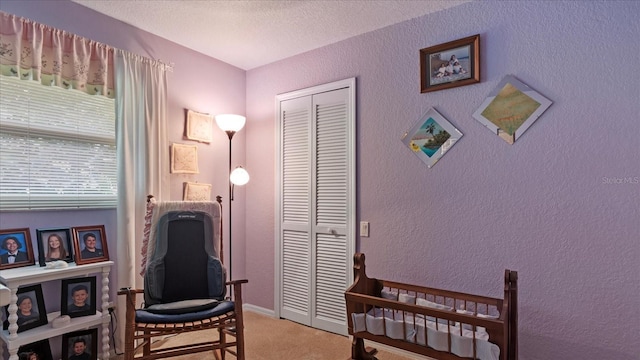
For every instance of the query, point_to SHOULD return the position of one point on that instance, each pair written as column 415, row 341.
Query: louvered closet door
column 295, row 200
column 329, row 211
column 316, row 208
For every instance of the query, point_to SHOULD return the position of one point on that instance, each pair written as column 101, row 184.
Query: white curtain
column 143, row 159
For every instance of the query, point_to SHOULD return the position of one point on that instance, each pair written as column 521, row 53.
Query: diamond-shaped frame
column 511, row 108
column 431, row 137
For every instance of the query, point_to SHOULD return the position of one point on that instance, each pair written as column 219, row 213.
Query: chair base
column 227, row 324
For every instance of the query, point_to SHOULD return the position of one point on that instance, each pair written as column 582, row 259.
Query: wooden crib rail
column 365, row 295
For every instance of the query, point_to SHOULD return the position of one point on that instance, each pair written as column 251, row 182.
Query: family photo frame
column 80, row 345
column 54, row 244
column 452, row 64
column 41, row 349
column 31, row 310
column 90, row 244
column 15, row 248
column 78, row 297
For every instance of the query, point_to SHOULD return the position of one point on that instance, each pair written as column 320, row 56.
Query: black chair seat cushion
column 145, row 316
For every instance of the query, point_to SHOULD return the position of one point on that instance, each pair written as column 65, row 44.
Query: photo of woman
column 54, row 245
column 55, row 249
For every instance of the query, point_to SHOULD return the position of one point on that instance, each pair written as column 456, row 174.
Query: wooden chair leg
column 237, row 293
column 130, row 326
column 223, row 343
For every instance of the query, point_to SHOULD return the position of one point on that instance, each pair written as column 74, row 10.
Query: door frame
column 350, row 84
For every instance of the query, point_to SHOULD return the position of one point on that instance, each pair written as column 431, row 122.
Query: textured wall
column 548, row 206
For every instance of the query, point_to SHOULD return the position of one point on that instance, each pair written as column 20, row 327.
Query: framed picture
column 54, row 244
column 31, row 311
column 196, row 192
column 41, row 349
column 15, row 248
column 199, row 127
column 431, row 137
column 451, row 64
column 184, row 159
column 511, row 108
column 78, row 297
column 90, row 244
column 80, row 345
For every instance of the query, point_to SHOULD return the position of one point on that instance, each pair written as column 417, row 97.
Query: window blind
column 57, row 147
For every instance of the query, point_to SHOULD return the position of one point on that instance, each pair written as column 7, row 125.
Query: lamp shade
column 239, row 176
column 230, row 122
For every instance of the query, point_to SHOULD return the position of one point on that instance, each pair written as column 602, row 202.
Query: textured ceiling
column 248, row 34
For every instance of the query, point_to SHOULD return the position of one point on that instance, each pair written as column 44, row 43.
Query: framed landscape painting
column 511, row 108
column 431, row 137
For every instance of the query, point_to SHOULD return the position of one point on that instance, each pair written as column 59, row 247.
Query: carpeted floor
column 267, row 338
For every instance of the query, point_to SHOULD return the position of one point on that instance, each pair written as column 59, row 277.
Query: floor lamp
column 231, row 124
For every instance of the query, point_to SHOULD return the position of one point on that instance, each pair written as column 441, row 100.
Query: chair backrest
column 184, row 264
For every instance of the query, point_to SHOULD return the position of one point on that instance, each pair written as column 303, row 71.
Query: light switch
column 364, row 228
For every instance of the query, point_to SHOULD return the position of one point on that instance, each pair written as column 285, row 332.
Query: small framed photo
column 80, row 345
column 15, row 248
column 31, row 311
column 196, row 192
column 431, row 137
column 511, row 108
column 184, row 159
column 39, row 350
column 54, row 244
column 451, row 64
column 78, row 297
column 90, row 244
column 199, row 126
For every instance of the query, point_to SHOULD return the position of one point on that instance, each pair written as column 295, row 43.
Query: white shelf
column 47, row 331
column 37, row 274
column 16, row 277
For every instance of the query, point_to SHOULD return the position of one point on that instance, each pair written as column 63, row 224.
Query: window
column 57, row 147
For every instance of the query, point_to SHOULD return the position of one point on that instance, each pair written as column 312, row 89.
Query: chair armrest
column 124, row 291
column 237, row 282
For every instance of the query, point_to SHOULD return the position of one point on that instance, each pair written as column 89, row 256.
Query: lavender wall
column 554, row 206
column 549, row 206
column 197, row 82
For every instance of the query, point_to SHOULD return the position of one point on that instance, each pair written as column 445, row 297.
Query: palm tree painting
column 429, row 138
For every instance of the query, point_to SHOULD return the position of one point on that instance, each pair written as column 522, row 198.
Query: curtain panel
column 34, row 51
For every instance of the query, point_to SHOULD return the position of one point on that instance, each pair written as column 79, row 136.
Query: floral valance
column 54, row 57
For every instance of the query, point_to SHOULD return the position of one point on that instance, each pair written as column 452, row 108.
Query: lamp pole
column 230, row 134
column 230, row 124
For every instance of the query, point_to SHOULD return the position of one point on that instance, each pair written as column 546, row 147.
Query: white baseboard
column 259, row 310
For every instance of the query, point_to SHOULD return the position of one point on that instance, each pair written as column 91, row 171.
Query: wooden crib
column 437, row 323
